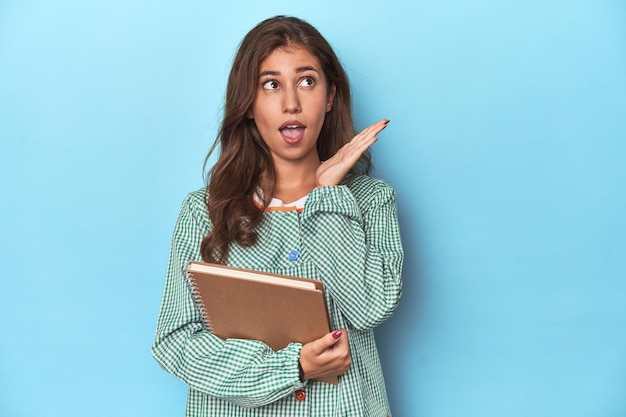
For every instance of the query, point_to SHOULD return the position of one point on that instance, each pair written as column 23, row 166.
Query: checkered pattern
column 348, row 237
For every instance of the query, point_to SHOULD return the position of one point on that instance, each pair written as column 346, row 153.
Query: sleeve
column 356, row 247
column 245, row 372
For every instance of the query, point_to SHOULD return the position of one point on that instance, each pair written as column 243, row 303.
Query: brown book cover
column 245, row 304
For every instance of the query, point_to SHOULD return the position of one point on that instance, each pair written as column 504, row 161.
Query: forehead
column 289, row 58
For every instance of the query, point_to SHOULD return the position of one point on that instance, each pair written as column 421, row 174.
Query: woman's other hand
column 327, row 356
column 332, row 171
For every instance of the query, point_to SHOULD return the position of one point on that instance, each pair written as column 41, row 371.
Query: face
column 291, row 102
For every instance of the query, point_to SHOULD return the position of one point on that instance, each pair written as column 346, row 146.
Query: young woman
column 288, row 195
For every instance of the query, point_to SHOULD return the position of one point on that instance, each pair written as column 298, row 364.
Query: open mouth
column 292, row 132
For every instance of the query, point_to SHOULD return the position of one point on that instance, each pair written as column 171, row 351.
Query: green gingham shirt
column 348, row 237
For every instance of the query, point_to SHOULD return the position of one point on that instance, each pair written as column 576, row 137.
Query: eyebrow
column 298, row 70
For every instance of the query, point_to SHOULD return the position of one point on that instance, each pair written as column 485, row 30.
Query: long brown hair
column 245, row 165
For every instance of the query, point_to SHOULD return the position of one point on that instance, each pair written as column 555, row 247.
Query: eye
column 307, row 82
column 270, row 85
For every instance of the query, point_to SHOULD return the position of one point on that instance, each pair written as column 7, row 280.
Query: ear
column 330, row 98
column 249, row 114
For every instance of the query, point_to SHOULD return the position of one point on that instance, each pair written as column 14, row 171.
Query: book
column 244, row 304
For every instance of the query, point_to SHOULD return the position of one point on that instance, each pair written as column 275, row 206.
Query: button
column 293, row 255
column 300, row 395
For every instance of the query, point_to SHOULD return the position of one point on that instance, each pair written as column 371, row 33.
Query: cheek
column 321, row 105
column 258, row 109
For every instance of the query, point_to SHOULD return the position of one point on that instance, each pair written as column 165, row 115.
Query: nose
column 291, row 101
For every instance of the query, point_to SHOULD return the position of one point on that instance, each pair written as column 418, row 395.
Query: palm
column 333, row 170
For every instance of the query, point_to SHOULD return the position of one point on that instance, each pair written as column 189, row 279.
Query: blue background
column 506, row 147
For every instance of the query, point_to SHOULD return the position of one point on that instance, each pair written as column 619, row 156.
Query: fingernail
column 337, row 334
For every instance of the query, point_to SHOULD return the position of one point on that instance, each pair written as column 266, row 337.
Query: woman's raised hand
column 326, row 356
column 332, row 171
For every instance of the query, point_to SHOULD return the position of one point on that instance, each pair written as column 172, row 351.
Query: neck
column 294, row 180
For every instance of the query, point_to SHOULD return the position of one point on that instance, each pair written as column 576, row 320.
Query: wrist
column 300, row 372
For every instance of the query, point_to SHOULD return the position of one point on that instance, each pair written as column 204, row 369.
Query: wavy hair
column 244, row 165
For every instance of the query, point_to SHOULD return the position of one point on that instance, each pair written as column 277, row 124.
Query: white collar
column 278, row 203
column 298, row 204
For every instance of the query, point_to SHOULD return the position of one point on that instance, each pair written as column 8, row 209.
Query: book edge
column 250, row 275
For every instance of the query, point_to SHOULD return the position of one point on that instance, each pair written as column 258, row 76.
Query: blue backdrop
column 506, row 147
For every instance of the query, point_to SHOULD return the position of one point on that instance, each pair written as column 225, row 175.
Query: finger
column 364, row 139
column 377, row 126
column 370, row 131
column 351, row 152
column 361, row 144
column 326, row 342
